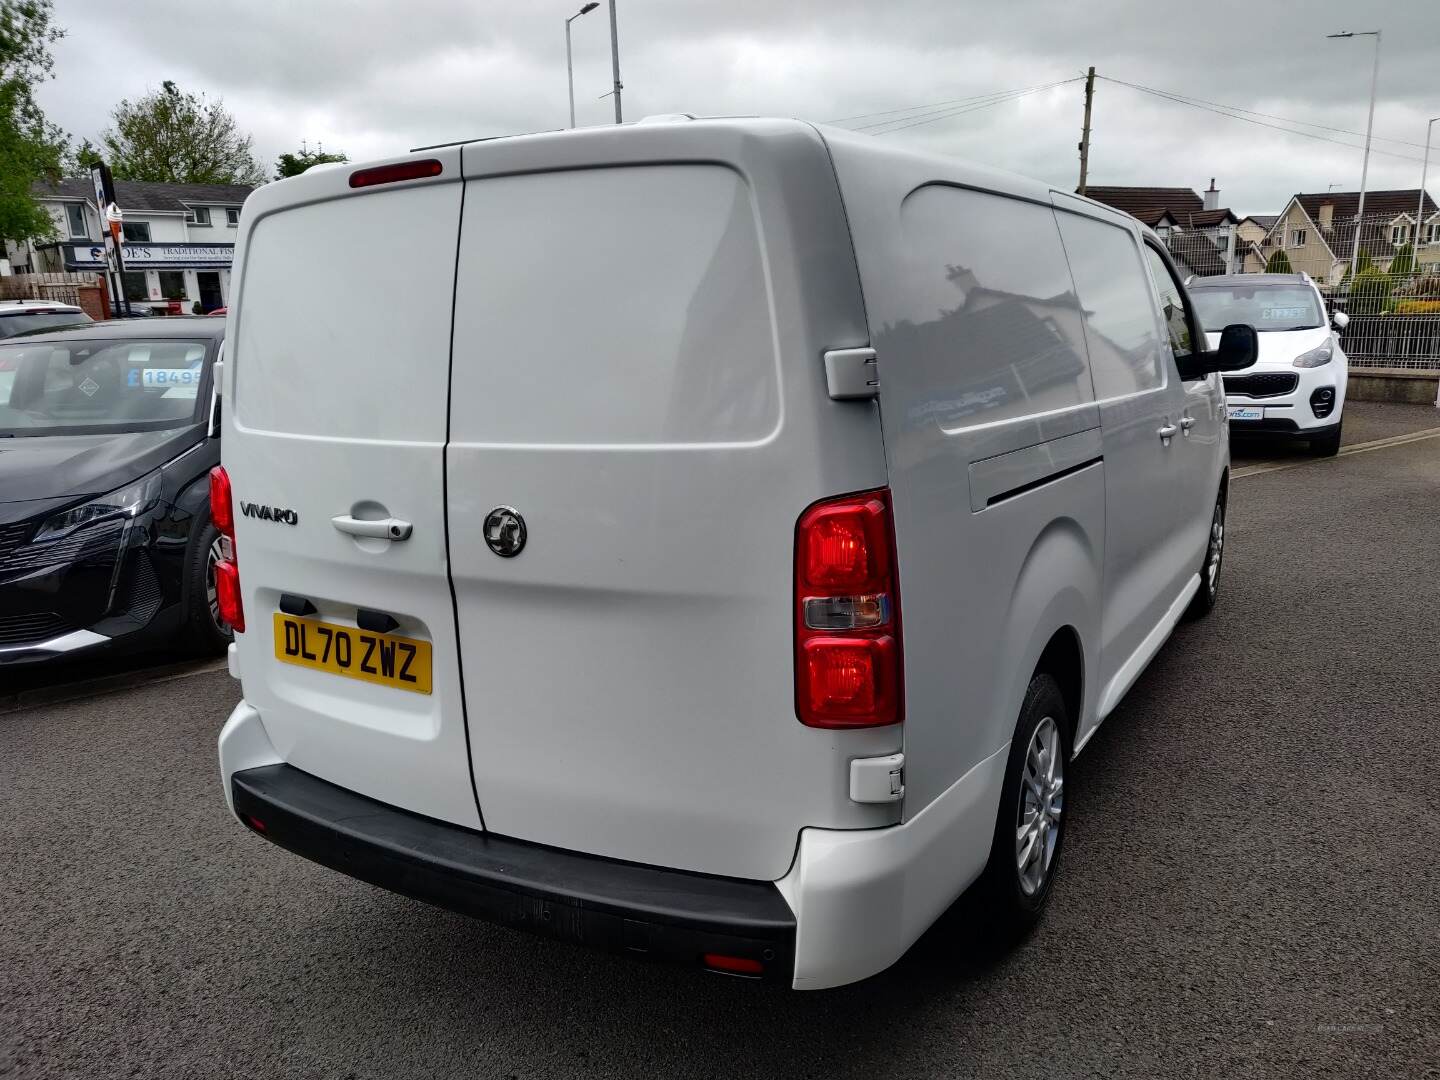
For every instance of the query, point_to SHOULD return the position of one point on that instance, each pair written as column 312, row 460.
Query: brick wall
column 94, row 300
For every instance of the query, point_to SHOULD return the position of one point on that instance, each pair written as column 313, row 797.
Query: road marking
column 1353, row 448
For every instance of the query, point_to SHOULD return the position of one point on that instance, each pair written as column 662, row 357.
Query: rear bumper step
column 644, row 911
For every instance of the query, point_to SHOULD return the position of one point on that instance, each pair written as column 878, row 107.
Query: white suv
column 1297, row 386
column 717, row 544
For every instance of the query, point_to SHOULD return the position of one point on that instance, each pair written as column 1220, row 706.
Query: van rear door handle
column 1168, row 431
column 1187, row 422
column 381, row 529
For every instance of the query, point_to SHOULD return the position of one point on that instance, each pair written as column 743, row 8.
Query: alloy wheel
column 1216, row 551
column 1037, row 826
column 212, row 593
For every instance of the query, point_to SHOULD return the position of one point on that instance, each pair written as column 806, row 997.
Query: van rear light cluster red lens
column 222, row 505
column 227, row 571
column 733, row 965
column 847, row 614
column 393, row 174
column 227, row 594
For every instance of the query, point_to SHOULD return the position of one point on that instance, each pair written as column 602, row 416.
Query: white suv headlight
column 1315, row 357
column 126, row 502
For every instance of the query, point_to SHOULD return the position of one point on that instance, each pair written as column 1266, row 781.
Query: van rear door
column 639, row 329
column 339, row 356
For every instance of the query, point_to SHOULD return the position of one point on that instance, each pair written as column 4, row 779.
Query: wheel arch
column 1063, row 659
column 1055, row 612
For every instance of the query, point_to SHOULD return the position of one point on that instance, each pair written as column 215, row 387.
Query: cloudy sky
column 377, row 77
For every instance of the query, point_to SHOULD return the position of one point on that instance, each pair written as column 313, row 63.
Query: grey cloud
column 377, row 78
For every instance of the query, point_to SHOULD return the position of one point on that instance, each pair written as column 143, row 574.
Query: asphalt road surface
column 1250, row 884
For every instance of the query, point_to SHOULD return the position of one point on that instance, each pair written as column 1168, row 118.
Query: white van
column 1296, row 388
column 709, row 540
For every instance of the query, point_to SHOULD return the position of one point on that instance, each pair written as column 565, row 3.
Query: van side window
column 1115, row 295
column 1172, row 304
column 989, row 312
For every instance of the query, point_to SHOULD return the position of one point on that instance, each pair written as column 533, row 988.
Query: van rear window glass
column 1121, row 327
column 613, row 306
column 992, row 314
column 344, row 317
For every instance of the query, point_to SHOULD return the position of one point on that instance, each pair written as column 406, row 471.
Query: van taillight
column 392, row 174
column 847, row 614
column 227, row 572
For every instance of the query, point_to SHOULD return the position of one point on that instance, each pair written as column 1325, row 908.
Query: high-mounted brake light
column 391, row 174
column 847, row 614
column 227, row 572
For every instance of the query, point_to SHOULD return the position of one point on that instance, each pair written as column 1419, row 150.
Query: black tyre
column 1030, row 829
column 1209, row 591
column 202, row 630
column 1328, row 445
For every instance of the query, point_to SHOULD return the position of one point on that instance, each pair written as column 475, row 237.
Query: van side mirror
column 1340, row 320
column 1239, row 346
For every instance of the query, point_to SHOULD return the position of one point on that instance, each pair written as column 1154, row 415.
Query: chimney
column 1212, row 196
column 1327, row 216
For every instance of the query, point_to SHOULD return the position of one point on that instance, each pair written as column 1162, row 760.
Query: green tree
column 1362, row 263
column 295, row 164
column 1278, row 263
column 1402, row 266
column 1370, row 292
column 173, row 136
column 31, row 148
column 82, row 159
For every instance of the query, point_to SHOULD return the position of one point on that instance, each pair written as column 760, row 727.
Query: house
column 179, row 238
column 1255, row 227
column 1317, row 231
column 1181, row 216
column 1250, row 236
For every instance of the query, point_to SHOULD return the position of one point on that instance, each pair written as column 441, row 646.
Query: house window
column 137, row 232
column 135, row 285
column 232, row 217
column 1399, row 234
column 1432, row 233
column 1297, row 237
column 75, row 216
column 198, row 215
column 172, row 284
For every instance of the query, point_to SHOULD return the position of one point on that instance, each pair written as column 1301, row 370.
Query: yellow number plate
column 401, row 662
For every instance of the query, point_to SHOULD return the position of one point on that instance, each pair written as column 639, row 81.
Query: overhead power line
column 907, row 109
column 1236, row 114
column 940, row 110
column 901, row 123
column 1189, row 98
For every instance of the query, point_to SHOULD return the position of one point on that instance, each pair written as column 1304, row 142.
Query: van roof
column 858, row 143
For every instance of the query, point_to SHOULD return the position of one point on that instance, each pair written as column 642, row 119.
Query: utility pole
column 1085, row 131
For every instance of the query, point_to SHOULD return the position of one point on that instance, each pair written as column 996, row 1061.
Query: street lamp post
column 615, row 61
column 569, row 63
column 1369, row 127
column 1420, row 210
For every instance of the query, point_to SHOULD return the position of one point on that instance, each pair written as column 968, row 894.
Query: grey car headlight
column 1315, row 357
column 125, row 502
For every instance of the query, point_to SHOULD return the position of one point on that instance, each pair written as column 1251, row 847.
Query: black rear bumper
column 624, row 907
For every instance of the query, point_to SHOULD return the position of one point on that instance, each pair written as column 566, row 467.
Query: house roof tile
column 156, row 198
column 1381, row 207
column 1185, row 206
